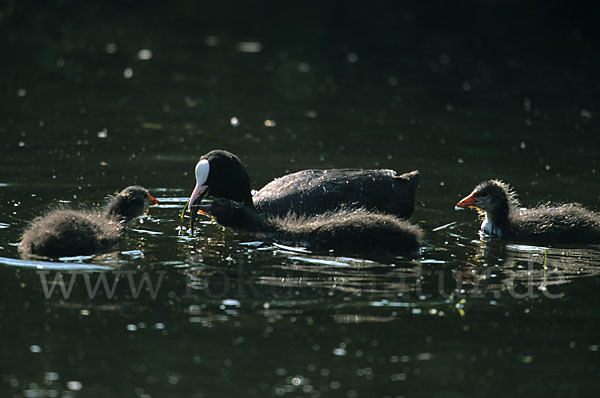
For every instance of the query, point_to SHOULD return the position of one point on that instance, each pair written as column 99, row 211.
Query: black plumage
column 349, row 231
column 307, row 192
column 66, row 232
column 312, row 192
column 503, row 217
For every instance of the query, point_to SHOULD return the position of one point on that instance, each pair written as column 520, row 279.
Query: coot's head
column 130, row 203
column 492, row 196
column 220, row 174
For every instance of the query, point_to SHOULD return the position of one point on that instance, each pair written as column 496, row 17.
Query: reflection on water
column 498, row 266
column 231, row 297
column 54, row 266
column 490, row 268
column 214, row 296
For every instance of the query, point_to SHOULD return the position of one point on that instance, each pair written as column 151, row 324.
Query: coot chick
column 356, row 231
column 221, row 174
column 567, row 223
column 64, row 232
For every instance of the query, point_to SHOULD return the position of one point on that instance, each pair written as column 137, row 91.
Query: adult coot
column 351, row 230
column 78, row 232
column 309, row 192
column 567, row 223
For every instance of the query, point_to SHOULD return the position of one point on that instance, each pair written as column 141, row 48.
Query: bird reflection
column 494, row 266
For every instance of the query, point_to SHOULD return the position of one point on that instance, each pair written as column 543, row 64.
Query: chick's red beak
column 152, row 200
column 204, row 209
column 468, row 202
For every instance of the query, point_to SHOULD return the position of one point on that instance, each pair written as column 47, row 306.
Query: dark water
column 95, row 97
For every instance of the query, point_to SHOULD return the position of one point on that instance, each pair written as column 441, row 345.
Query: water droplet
column 339, row 352
column 231, row 302
column 128, row 73
column 144, row 54
column 211, row 41
column 526, row 359
column 234, row 121
column 249, row 47
column 352, row 57
column 303, row 67
column 74, row 385
column 51, row 376
column 398, row 377
column 111, row 48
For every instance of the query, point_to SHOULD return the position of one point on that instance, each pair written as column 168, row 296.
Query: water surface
column 96, row 97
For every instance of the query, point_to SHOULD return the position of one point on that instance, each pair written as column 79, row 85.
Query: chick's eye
column 483, row 194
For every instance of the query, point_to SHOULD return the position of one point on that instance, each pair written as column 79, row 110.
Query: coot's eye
column 482, row 194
